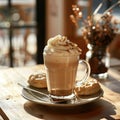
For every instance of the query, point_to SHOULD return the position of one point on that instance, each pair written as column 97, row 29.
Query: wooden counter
column 14, row 107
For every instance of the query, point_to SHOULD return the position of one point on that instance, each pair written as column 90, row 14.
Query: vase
column 99, row 60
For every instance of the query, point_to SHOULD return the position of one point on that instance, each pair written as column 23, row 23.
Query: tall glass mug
column 61, row 75
column 61, row 70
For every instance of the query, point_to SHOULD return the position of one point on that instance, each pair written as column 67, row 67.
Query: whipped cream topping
column 61, row 45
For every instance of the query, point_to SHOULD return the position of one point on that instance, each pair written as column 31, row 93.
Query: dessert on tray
column 91, row 86
column 38, row 80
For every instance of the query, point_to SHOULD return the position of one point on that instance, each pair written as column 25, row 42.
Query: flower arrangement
column 97, row 32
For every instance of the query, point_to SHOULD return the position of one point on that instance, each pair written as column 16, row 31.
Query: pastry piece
column 38, row 80
column 91, row 86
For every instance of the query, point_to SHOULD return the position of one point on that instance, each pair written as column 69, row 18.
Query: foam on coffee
column 60, row 45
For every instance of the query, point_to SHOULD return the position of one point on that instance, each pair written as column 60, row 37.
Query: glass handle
column 83, row 72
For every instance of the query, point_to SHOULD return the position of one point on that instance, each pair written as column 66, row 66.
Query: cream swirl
column 61, row 45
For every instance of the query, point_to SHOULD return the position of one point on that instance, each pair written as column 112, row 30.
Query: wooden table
column 14, row 107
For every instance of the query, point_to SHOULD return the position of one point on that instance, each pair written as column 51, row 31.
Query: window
column 22, row 32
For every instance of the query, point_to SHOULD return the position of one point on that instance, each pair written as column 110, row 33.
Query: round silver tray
column 34, row 97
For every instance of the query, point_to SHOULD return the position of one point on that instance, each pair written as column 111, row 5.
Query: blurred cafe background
column 26, row 25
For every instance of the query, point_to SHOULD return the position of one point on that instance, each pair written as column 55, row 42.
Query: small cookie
column 91, row 86
column 38, row 80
